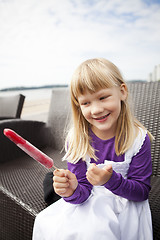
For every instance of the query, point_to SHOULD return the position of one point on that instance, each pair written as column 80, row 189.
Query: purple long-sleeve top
column 135, row 187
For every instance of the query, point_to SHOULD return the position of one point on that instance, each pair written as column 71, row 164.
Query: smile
column 102, row 118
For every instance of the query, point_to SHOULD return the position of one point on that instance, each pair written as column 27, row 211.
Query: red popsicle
column 31, row 150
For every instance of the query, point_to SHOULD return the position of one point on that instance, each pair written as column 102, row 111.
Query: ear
column 124, row 91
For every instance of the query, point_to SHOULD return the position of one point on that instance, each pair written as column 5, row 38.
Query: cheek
column 87, row 115
column 84, row 112
column 115, row 106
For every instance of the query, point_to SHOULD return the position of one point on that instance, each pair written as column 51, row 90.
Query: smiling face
column 102, row 109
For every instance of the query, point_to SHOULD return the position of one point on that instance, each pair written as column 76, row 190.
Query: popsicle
column 27, row 147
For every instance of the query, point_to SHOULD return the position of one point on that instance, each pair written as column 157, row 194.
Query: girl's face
column 102, row 109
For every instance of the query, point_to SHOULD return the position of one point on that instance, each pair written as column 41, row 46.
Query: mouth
column 102, row 118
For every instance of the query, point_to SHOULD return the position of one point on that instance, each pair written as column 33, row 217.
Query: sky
column 42, row 42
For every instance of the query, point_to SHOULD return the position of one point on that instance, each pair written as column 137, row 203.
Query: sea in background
column 30, row 94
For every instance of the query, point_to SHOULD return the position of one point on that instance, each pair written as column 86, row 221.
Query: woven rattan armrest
column 154, row 200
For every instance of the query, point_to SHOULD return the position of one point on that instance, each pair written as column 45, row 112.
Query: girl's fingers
column 60, row 191
column 60, row 179
column 59, row 172
column 90, row 176
column 61, row 185
column 108, row 168
column 92, row 171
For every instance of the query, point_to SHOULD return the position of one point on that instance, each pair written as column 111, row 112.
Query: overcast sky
column 43, row 41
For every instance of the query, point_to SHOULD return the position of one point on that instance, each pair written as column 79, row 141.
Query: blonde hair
column 93, row 75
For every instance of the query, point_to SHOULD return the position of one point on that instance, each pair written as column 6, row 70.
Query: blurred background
column 43, row 41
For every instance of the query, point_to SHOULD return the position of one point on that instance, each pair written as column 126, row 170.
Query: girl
column 105, row 189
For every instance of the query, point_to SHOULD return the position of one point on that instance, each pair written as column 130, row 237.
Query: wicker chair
column 21, row 178
column 146, row 98
column 11, row 106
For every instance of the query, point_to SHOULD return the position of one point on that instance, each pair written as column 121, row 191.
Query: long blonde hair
column 93, row 75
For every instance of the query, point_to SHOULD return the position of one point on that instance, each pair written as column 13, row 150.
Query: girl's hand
column 64, row 182
column 99, row 176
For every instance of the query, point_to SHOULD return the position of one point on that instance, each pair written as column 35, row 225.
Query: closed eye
column 104, row 97
column 84, row 103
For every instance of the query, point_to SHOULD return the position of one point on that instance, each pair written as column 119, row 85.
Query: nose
column 96, row 109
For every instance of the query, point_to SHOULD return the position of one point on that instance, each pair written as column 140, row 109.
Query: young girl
column 105, row 189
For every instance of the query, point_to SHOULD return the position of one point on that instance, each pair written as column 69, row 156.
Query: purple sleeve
column 137, row 185
column 84, row 188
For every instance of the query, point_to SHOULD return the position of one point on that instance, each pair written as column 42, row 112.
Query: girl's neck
column 103, row 135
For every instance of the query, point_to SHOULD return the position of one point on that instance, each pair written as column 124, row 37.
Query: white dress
column 102, row 216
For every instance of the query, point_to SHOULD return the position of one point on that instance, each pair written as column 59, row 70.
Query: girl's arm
column 84, row 188
column 137, row 185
